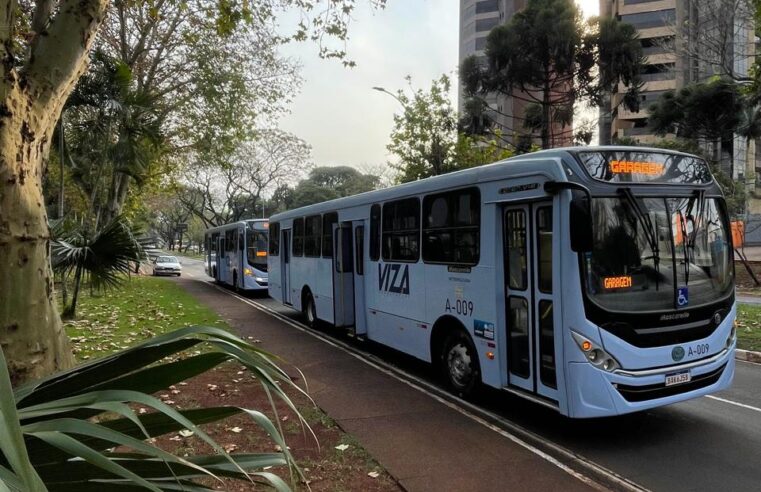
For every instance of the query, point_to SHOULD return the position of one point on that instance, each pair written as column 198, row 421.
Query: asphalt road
column 712, row 443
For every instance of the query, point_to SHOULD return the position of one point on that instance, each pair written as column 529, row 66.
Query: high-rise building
column 477, row 19
column 684, row 41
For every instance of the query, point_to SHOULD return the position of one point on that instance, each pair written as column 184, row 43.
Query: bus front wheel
column 460, row 364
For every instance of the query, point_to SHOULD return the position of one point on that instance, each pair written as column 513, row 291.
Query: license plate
column 678, row 378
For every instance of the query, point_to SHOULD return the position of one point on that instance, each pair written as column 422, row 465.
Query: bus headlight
column 595, row 354
column 248, row 272
column 732, row 334
column 261, row 280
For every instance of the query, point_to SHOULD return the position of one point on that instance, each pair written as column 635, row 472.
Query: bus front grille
column 654, row 391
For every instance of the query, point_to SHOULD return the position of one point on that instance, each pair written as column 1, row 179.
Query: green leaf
column 11, row 437
column 76, row 448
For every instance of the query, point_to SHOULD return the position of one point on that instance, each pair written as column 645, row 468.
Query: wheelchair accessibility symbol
column 682, row 297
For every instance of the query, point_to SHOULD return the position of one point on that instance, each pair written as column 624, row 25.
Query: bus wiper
column 647, row 227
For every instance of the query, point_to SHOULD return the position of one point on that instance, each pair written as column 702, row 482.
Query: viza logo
column 390, row 280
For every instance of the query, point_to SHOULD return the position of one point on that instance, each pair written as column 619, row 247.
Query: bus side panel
column 398, row 288
column 322, row 288
column 274, row 278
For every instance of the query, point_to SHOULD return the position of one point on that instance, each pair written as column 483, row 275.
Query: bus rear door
column 360, row 314
column 285, row 265
column 528, row 255
column 343, row 275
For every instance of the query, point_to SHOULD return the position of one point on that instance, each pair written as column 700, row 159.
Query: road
column 712, row 443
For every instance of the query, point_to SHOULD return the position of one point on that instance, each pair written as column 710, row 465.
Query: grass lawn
column 141, row 308
column 749, row 327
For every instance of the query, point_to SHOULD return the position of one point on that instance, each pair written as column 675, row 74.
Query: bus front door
column 343, row 275
column 360, row 320
column 528, row 247
column 285, row 265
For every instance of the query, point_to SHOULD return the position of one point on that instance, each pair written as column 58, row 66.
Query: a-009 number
column 460, row 306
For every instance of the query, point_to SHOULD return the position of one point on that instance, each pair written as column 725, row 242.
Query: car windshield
column 657, row 254
column 166, row 259
column 256, row 248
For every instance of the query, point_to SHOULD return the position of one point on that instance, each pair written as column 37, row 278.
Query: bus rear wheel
column 310, row 310
column 460, row 364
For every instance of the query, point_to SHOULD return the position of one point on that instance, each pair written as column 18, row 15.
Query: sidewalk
column 423, row 444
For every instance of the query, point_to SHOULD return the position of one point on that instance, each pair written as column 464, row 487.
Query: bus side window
column 298, row 237
column 327, row 233
column 375, row 218
column 274, row 240
column 452, row 227
column 312, row 236
column 240, row 241
column 401, row 230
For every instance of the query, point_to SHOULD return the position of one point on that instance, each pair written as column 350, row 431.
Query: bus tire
column 309, row 309
column 459, row 364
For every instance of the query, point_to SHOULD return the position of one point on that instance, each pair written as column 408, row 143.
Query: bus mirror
column 581, row 223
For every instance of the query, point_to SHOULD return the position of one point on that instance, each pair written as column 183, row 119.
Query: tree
column 45, row 53
column 546, row 57
column 425, row 133
column 232, row 187
column 702, row 112
column 750, row 129
column 328, row 183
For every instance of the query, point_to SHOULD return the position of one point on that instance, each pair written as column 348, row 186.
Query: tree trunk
column 546, row 115
column 31, row 100
column 31, row 332
column 750, row 168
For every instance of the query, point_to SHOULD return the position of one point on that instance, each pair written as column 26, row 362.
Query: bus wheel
column 310, row 311
column 460, row 364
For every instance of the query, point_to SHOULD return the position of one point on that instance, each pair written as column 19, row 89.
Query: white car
column 167, row 265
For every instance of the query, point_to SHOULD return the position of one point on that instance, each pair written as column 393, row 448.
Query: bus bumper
column 596, row 393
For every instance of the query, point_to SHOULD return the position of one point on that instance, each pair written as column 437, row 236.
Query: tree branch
column 41, row 15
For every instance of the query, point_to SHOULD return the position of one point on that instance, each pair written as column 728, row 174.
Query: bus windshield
column 256, row 248
column 657, row 254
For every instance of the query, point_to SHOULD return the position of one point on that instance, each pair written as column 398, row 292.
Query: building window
column 485, row 6
column 655, row 18
column 487, row 24
column 274, row 239
column 480, row 43
column 451, row 227
column 312, row 235
column 401, row 230
column 298, row 237
column 375, row 220
column 328, row 220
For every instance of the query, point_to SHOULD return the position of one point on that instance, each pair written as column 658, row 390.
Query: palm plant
column 78, row 429
column 103, row 257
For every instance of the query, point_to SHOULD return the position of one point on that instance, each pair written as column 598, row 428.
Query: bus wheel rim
column 310, row 311
column 459, row 364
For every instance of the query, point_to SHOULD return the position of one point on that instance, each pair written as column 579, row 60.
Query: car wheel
column 460, row 364
column 310, row 311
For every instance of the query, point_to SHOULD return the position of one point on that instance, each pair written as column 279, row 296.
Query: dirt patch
column 324, row 467
column 744, row 281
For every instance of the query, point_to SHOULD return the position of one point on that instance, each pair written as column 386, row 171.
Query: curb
column 748, row 356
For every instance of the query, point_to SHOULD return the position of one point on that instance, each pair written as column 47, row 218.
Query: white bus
column 236, row 254
column 595, row 281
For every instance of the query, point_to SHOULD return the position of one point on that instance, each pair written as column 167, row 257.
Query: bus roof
column 546, row 162
column 233, row 225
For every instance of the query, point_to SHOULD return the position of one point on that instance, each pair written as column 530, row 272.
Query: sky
column 338, row 113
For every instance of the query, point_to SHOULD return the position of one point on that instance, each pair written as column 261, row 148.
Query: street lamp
column 381, row 89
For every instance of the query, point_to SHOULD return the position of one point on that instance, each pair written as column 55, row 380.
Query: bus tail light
column 595, row 354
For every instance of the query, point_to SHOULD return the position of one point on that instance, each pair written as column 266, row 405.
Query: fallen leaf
column 342, row 447
column 186, row 433
column 229, row 448
column 373, row 474
column 236, row 430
